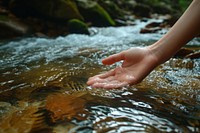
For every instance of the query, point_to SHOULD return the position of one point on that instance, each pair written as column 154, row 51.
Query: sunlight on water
column 43, row 86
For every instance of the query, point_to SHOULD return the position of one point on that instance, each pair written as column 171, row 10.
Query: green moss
column 77, row 26
column 4, row 18
column 105, row 17
column 184, row 4
column 94, row 13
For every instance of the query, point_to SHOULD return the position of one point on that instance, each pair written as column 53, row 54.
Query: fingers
column 110, row 85
column 97, row 79
column 113, row 58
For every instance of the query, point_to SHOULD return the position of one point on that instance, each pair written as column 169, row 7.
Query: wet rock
column 187, row 53
column 183, row 52
column 153, row 24
column 194, row 55
column 94, row 13
column 150, row 30
column 42, row 92
column 77, row 26
column 23, row 118
column 65, row 107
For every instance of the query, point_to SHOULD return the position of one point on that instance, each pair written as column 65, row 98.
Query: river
column 43, row 86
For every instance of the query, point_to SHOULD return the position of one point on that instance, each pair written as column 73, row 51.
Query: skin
column 139, row 62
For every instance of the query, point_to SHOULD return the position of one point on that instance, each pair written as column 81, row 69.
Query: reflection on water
column 43, row 87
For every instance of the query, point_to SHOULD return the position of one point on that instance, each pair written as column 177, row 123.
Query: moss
column 93, row 12
column 184, row 4
column 77, row 26
column 105, row 17
column 4, row 18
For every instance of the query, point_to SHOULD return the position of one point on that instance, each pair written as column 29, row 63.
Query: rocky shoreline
column 52, row 18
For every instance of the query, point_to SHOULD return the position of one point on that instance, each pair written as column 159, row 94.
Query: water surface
column 43, row 86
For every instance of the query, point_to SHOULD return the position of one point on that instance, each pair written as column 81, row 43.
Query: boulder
column 52, row 9
column 94, row 13
column 112, row 8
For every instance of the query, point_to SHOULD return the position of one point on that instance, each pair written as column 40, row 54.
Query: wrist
column 159, row 53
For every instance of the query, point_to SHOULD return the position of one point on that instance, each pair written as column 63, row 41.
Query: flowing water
column 43, row 86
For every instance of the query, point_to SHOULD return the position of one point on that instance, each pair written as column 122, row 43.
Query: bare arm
column 185, row 29
column 139, row 62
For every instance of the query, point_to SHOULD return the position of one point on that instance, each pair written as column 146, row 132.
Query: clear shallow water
column 43, row 86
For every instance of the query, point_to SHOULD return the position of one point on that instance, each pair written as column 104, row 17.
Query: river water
column 43, row 86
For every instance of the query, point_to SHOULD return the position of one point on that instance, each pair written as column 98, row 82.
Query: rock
column 23, row 118
column 142, row 10
column 77, row 26
column 183, row 52
column 194, row 55
column 150, row 30
column 65, row 107
column 153, row 24
column 52, row 9
column 11, row 28
column 188, row 53
column 94, row 13
column 162, row 8
column 112, row 8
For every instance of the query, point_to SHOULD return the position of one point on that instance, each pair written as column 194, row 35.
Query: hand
column 137, row 64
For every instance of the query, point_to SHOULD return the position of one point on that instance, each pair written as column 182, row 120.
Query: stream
column 43, row 86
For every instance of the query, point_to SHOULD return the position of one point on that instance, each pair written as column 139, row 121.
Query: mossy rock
column 94, row 13
column 77, row 26
column 53, row 9
column 112, row 8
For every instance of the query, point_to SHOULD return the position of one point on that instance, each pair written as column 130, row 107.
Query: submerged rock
column 64, row 107
column 23, row 118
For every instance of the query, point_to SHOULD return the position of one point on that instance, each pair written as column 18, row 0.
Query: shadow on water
column 43, row 87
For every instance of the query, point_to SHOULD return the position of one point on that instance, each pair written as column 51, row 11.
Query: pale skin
column 139, row 62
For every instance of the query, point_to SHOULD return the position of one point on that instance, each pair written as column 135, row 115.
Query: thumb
column 113, row 58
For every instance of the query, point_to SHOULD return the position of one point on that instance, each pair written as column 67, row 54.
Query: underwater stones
column 65, row 107
column 77, row 26
column 94, row 13
column 22, row 118
column 42, row 92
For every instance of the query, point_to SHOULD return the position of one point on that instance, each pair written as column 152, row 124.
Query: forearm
column 185, row 29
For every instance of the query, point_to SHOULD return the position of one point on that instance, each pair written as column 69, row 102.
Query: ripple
column 124, row 119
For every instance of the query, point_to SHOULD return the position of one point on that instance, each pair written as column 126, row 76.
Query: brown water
column 43, row 87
